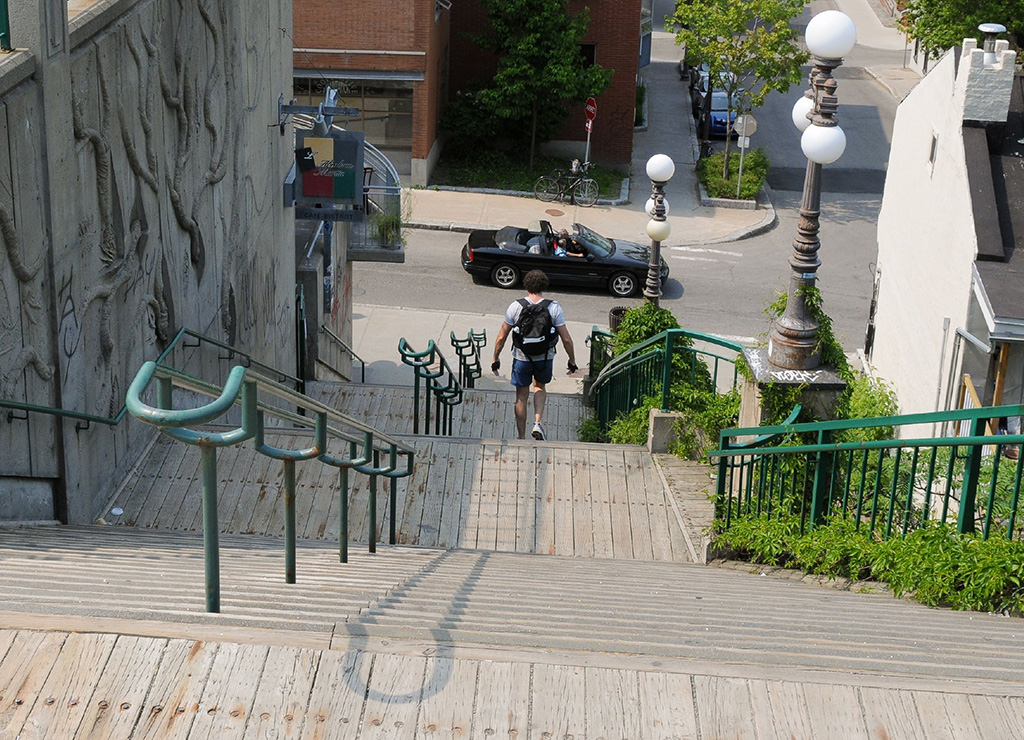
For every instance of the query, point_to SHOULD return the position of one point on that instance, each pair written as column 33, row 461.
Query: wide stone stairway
column 542, row 590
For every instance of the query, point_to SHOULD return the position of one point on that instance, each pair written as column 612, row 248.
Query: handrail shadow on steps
column 254, row 395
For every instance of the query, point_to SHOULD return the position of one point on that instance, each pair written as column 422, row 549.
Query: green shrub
column 641, row 96
column 755, row 172
column 589, row 430
column 631, row 428
column 934, row 564
column 640, row 324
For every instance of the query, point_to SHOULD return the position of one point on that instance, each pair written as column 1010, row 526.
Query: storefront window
column 385, row 107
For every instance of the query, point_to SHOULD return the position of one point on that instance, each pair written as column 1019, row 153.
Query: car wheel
column 546, row 188
column 505, row 275
column 622, row 284
column 586, row 192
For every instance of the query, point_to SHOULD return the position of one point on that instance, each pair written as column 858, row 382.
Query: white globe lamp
column 649, row 206
column 801, row 108
column 660, row 168
column 823, row 144
column 659, row 231
column 830, row 35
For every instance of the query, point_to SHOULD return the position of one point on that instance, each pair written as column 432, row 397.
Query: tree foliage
column 942, row 24
column 749, row 47
column 540, row 66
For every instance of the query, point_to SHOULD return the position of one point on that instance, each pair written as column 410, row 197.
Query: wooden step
column 482, row 413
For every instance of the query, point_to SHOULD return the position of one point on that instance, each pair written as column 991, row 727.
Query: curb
column 877, row 78
column 622, row 200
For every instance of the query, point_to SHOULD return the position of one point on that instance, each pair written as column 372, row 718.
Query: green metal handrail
column 180, row 338
column 645, row 370
column 600, row 343
column 341, row 343
column 428, row 366
column 845, row 469
column 259, row 397
column 468, row 350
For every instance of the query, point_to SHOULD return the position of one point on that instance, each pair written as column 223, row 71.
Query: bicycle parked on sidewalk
column 581, row 189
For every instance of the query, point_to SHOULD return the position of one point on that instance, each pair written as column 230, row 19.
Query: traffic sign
column 590, row 125
column 745, row 125
column 591, row 109
column 743, row 142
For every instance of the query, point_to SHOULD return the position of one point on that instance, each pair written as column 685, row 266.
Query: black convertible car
column 507, row 254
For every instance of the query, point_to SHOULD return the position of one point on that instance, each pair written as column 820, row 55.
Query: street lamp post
column 660, row 169
column 793, row 340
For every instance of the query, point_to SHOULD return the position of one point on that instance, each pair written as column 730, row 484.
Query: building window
column 589, row 54
column 385, row 107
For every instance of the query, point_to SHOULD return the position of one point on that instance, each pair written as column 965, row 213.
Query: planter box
column 707, row 200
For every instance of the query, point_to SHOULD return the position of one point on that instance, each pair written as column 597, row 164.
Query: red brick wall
column 614, row 28
column 383, row 27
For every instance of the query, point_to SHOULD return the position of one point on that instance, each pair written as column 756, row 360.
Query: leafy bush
column 755, row 172
column 631, row 428
column 934, row 564
column 641, row 96
column 705, row 414
column 491, row 166
column 589, row 430
column 640, row 324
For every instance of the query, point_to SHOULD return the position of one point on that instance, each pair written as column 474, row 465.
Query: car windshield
column 598, row 245
column 719, row 101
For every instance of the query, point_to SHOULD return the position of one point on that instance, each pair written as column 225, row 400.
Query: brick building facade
column 399, row 62
column 389, row 60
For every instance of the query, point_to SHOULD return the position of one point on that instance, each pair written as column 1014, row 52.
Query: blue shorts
column 525, row 372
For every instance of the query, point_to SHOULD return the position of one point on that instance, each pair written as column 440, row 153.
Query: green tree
column 942, row 24
column 540, row 65
column 748, row 46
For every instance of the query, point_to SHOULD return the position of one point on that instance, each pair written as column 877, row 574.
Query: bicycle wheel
column 546, row 188
column 586, row 192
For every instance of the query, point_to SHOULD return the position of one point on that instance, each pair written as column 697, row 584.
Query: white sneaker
column 538, row 431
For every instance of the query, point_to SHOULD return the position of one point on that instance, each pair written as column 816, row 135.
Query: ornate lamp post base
column 820, row 387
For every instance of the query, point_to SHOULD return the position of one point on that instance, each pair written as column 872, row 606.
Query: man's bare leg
column 540, row 397
column 522, row 397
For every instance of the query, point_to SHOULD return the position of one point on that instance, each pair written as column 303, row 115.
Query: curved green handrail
column 244, row 390
column 447, row 395
column 647, row 369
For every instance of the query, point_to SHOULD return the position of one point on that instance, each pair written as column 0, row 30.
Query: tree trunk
column 533, row 133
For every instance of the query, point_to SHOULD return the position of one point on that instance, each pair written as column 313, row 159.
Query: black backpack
column 534, row 332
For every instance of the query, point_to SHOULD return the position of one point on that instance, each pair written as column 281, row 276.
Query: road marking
column 695, row 259
column 706, row 251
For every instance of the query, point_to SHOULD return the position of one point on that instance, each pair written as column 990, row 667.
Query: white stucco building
column 949, row 288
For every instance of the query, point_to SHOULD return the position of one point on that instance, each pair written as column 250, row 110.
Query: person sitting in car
column 566, row 246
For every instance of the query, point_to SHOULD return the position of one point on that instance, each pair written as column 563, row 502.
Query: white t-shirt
column 512, row 316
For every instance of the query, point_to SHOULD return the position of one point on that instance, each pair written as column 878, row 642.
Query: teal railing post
column 289, row 520
column 725, row 497
column 666, row 370
column 822, row 481
column 211, row 529
column 372, row 518
column 5, row 27
column 972, row 469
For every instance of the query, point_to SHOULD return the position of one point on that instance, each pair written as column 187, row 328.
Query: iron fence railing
column 601, row 350
column 468, row 350
column 851, row 469
column 442, row 391
column 258, row 399
column 650, row 368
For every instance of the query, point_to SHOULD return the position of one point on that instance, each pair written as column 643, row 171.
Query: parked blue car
column 721, row 117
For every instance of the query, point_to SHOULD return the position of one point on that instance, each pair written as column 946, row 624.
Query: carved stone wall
column 166, row 212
